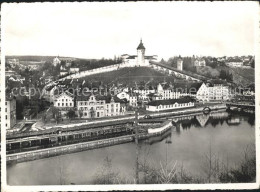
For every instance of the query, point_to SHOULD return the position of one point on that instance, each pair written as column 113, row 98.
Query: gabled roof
column 83, row 97
column 65, row 93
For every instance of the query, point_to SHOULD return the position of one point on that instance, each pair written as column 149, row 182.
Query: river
column 225, row 134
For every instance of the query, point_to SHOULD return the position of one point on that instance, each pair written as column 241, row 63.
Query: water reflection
column 213, row 119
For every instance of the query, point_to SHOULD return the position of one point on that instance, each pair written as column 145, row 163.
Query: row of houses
column 147, row 95
column 242, row 61
column 91, row 105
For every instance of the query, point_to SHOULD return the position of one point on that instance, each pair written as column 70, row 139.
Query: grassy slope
column 130, row 75
column 242, row 76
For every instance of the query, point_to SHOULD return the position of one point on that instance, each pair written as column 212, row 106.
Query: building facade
column 162, row 105
column 10, row 113
column 163, row 94
column 56, row 61
column 215, row 92
column 199, row 62
column 234, row 62
column 93, row 106
column 64, row 100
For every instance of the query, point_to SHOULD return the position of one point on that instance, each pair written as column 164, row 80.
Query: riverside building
column 162, row 105
column 95, row 106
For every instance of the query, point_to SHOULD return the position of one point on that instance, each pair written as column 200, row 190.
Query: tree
column 71, row 114
column 92, row 112
column 44, row 117
column 80, row 114
column 252, row 63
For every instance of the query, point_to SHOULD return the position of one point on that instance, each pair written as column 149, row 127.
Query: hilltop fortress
column 140, row 59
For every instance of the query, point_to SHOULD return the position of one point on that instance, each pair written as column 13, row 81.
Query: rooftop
column 141, row 46
column 170, row 101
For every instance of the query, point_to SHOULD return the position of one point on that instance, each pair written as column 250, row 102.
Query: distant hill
column 33, row 58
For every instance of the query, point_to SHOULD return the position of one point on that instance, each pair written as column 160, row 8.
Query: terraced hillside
column 130, row 75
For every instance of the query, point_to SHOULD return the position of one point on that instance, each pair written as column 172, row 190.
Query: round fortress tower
column 180, row 63
column 140, row 54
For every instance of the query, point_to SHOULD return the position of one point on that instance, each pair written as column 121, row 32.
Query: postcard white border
column 5, row 187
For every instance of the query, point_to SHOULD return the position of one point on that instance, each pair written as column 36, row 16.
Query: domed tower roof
column 141, row 46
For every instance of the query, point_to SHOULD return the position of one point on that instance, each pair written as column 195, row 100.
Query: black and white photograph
column 129, row 95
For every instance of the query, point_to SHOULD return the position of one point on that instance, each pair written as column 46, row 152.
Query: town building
column 63, row 72
column 143, row 92
column 199, row 62
column 213, row 92
column 96, row 106
column 162, row 105
column 138, row 60
column 74, row 70
column 164, row 93
column 10, row 73
column 64, row 101
column 13, row 62
column 10, row 112
column 234, row 62
column 132, row 98
column 56, row 61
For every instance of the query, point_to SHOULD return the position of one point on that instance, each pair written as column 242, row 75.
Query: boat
column 234, row 108
column 160, row 129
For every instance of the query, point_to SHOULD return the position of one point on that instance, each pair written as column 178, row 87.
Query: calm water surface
column 227, row 134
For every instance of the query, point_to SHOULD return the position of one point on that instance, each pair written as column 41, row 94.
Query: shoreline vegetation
column 214, row 169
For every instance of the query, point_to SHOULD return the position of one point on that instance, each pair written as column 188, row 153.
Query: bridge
column 175, row 72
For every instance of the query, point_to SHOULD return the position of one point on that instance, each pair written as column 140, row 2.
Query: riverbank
column 116, row 121
column 72, row 148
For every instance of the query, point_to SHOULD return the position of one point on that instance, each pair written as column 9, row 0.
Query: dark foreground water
column 225, row 134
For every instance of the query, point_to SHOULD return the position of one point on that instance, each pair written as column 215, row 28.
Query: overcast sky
column 96, row 30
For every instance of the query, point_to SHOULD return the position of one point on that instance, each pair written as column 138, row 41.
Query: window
column 62, row 104
column 58, row 104
column 70, row 104
column 66, row 104
column 6, row 117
